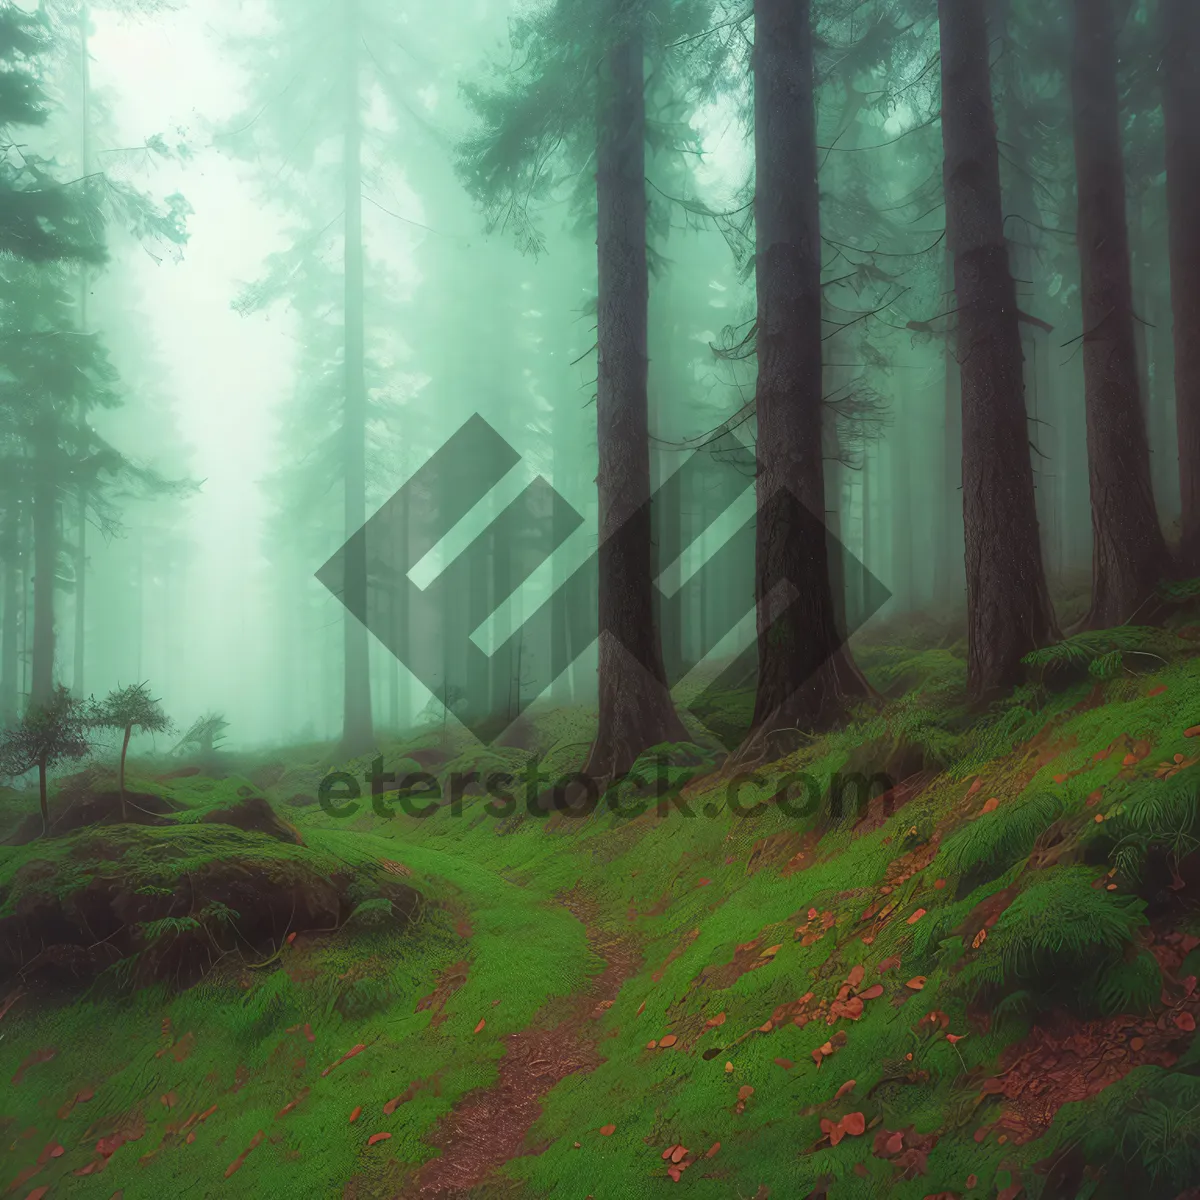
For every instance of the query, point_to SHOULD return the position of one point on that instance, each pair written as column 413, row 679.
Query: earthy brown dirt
column 1069, row 1060
column 488, row 1127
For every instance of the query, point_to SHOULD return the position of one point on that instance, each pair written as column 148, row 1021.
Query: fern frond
column 1059, row 928
column 1127, row 987
column 169, row 927
column 1004, row 836
column 1099, row 646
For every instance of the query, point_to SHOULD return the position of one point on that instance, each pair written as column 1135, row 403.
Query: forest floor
column 981, row 985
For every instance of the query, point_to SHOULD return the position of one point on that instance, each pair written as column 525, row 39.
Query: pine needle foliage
column 1056, row 938
column 1003, row 837
column 1105, row 652
column 1161, row 815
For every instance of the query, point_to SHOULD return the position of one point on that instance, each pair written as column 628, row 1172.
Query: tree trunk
column 85, row 159
column 77, row 680
column 636, row 709
column 1129, row 555
column 121, row 772
column 805, row 674
column 1181, row 104
column 9, row 672
column 903, row 579
column 357, row 732
column 1008, row 605
column 42, row 797
column 948, row 555
column 45, row 562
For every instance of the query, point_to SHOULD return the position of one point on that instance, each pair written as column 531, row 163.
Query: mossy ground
column 696, row 893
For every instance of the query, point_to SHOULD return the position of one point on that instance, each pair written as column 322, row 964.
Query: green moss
column 690, row 889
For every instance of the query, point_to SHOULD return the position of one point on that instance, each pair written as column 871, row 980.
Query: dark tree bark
column 45, row 562
column 806, row 676
column 121, row 772
column 903, row 580
column 10, row 553
column 1181, row 114
column 357, row 732
column 1008, row 605
column 636, row 709
column 43, row 797
column 948, row 550
column 1129, row 553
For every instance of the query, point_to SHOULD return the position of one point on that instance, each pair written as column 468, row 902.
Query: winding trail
column 488, row 1127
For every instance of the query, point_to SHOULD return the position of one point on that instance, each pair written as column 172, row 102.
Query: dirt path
column 488, row 1127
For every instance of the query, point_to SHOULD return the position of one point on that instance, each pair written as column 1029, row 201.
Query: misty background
column 210, row 594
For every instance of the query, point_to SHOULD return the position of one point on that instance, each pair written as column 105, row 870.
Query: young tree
column 205, row 735
column 1008, row 605
column 1181, row 104
column 806, row 676
column 47, row 735
column 1130, row 556
column 127, row 709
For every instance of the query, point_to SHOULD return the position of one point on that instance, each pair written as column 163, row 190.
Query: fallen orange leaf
column 916, row 983
column 854, row 1124
column 916, row 916
column 1185, row 1021
column 356, row 1114
column 669, row 1040
column 378, row 1137
column 349, row 1054
column 991, row 805
column 770, row 952
column 481, row 1024
column 939, row 883
column 846, row 1087
column 607, row 1130
column 872, row 993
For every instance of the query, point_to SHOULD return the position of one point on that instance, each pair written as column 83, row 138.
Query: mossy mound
column 167, row 904
column 253, row 814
